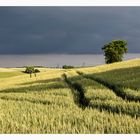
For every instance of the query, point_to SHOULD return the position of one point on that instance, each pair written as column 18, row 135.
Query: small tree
column 36, row 70
column 29, row 70
column 114, row 51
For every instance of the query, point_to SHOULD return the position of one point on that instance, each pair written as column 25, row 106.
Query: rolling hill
column 101, row 99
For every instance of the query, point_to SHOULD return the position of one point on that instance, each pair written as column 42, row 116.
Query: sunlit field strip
column 109, row 67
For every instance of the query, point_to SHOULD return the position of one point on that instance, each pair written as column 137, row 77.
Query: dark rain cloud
column 26, row 30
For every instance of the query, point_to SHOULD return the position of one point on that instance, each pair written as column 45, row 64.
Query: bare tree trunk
column 30, row 75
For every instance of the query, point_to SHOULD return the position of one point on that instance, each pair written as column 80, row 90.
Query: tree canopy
column 30, row 70
column 114, row 51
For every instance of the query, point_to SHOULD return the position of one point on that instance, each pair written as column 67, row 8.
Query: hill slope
column 102, row 99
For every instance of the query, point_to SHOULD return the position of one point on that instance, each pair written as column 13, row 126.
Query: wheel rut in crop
column 78, row 92
column 115, row 88
column 110, row 107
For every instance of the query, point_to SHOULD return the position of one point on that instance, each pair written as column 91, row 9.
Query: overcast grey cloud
column 39, row 30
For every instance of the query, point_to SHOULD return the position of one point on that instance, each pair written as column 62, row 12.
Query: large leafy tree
column 114, row 51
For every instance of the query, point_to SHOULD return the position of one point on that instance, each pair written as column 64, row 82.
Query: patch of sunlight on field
column 7, row 70
column 9, row 74
column 108, row 67
column 17, row 81
column 71, row 73
column 23, row 69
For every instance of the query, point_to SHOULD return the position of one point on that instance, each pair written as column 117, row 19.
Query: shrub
column 67, row 67
column 36, row 70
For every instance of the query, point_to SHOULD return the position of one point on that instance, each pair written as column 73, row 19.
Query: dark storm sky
column 36, row 30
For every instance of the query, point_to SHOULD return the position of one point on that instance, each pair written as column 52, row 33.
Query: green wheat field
column 102, row 99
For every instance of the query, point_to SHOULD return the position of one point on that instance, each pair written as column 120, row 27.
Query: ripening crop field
column 103, row 99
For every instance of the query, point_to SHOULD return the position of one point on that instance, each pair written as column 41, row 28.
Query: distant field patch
column 9, row 74
column 7, row 70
